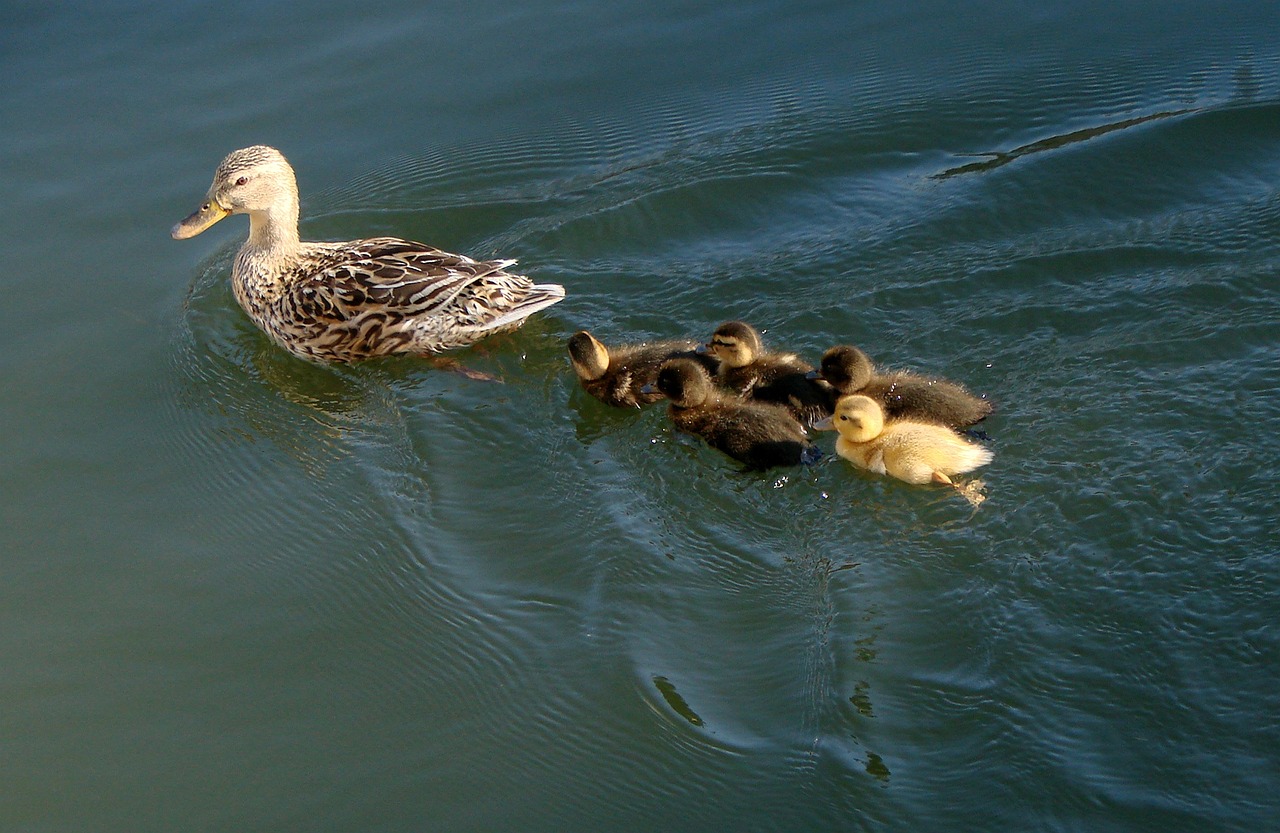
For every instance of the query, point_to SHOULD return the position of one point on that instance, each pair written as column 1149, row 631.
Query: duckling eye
column 844, row 419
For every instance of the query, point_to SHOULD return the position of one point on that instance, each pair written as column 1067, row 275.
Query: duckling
column 917, row 452
column 758, row 434
column 781, row 378
column 616, row 376
column 902, row 395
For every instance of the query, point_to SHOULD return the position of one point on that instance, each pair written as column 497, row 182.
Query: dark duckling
column 900, row 394
column 616, row 376
column 757, row 434
column 781, row 378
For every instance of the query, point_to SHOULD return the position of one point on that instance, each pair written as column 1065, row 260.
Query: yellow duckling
column 755, row 433
column 748, row 370
column 617, row 376
column 349, row 301
column 917, row 452
column 902, row 395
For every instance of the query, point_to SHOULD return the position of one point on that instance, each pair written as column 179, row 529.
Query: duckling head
column 845, row 368
column 684, row 382
column 858, row 418
column 735, row 344
column 257, row 181
column 590, row 358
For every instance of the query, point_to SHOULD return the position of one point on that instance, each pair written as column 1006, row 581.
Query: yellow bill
column 199, row 220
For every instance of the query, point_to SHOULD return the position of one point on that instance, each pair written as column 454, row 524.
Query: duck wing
column 387, row 295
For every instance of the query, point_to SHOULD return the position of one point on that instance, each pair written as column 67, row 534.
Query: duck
column 759, row 435
column 902, row 395
column 750, row 371
column 617, row 375
column 913, row 451
column 349, row 301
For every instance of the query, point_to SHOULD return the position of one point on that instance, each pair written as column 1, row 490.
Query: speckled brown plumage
column 350, row 301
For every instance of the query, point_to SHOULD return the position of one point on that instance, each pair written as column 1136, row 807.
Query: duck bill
column 199, row 220
column 827, row 424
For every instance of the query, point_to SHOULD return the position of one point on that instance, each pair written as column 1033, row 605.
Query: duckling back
column 908, row 396
column 902, row 395
column 759, row 435
column 783, row 379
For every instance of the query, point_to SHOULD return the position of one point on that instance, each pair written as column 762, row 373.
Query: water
column 244, row 593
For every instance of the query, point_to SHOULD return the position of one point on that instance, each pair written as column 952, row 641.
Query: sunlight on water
column 270, row 595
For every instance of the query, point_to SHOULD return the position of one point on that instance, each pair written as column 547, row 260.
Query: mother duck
column 344, row 302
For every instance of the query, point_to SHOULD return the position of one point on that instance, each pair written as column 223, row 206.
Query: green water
column 240, row 592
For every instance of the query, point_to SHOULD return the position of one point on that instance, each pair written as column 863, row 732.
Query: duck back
column 758, row 435
column 782, row 379
column 908, row 396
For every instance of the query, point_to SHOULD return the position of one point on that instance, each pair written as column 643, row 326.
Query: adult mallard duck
column 356, row 300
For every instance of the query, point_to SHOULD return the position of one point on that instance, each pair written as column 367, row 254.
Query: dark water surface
column 239, row 592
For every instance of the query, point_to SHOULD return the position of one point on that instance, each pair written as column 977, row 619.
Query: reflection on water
column 376, row 595
column 675, row 701
column 999, row 158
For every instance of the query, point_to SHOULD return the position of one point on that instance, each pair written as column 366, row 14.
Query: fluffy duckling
column 781, row 378
column 616, row 376
column 902, row 395
column 917, row 452
column 757, row 434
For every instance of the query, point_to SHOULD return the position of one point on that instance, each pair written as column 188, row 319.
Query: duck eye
column 242, row 180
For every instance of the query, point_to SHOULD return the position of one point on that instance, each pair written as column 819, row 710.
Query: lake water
column 241, row 592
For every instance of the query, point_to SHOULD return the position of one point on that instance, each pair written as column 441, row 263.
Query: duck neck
column 273, row 232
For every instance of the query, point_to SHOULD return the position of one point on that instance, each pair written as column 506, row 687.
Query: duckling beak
column 702, row 349
column 814, row 376
column 826, row 424
column 199, row 220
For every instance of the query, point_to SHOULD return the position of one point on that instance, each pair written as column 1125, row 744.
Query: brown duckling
column 757, row 434
column 616, row 376
column 781, row 378
column 917, row 452
column 902, row 395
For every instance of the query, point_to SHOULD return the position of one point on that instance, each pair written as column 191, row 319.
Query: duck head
column 684, row 382
column 845, row 368
column 257, row 181
column 858, row 418
column 590, row 358
column 734, row 344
